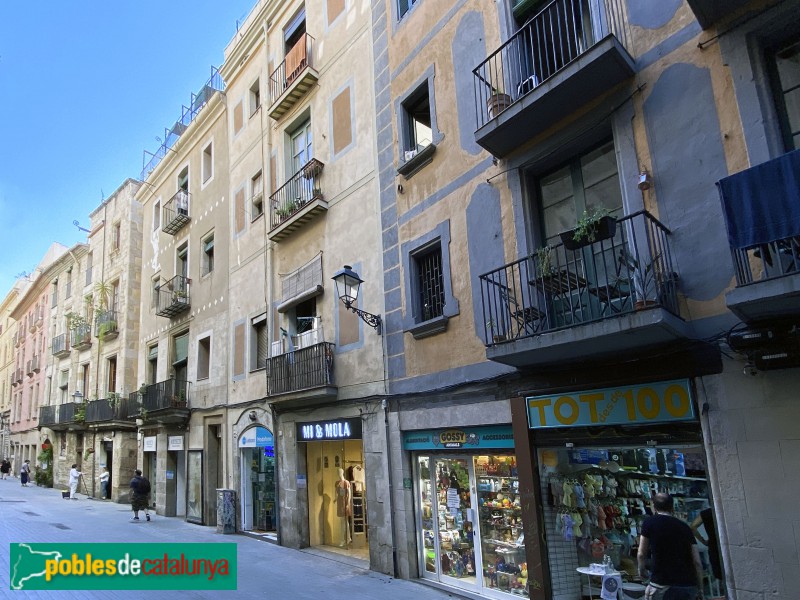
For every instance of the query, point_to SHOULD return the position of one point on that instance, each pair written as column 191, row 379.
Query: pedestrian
column 25, row 473
column 140, row 496
column 104, row 480
column 5, row 468
column 676, row 572
column 74, row 478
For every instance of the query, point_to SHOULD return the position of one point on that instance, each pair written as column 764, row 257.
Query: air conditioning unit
column 751, row 338
column 767, row 360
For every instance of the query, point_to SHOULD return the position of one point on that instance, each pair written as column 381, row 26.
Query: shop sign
column 175, row 442
column 335, row 429
column 661, row 402
column 499, row 436
column 257, row 437
column 149, row 443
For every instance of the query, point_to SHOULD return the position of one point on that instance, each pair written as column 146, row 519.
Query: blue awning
column 762, row 204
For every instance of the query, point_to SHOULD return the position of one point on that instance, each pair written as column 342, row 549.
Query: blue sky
column 85, row 88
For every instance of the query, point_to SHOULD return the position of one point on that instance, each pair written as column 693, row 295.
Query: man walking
column 74, row 478
column 140, row 496
column 5, row 469
column 677, row 573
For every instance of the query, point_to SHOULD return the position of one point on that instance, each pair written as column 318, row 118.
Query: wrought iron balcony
column 110, row 409
column 176, row 212
column 105, row 325
column 80, row 337
column 162, row 402
column 172, row 297
column 293, row 77
column 297, row 201
column 307, row 370
column 560, row 304
column 60, row 346
column 568, row 54
column 48, row 415
column 761, row 214
column 32, row 366
column 69, row 415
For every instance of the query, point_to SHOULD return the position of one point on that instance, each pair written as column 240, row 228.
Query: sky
column 85, row 88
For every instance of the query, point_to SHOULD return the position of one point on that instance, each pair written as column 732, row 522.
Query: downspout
column 385, row 406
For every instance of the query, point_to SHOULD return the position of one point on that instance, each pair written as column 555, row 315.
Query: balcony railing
column 558, row 34
column 32, row 366
column 105, row 325
column 302, row 369
column 161, row 396
column 80, row 337
column 298, row 341
column 297, row 196
column 98, row 411
column 188, row 114
column 176, row 212
column 293, row 77
column 60, row 346
column 48, row 415
column 172, row 297
column 559, row 288
column 19, row 375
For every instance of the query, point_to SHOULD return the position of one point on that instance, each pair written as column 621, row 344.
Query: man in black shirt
column 677, row 573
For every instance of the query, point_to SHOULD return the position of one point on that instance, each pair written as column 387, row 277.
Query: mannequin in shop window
column 344, row 511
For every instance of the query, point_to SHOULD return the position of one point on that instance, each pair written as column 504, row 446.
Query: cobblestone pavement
column 265, row 570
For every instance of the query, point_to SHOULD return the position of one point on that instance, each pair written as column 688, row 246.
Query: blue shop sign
column 468, row 438
column 662, row 402
column 257, row 437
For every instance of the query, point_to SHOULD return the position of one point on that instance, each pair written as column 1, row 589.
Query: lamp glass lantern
column 348, row 283
column 77, row 396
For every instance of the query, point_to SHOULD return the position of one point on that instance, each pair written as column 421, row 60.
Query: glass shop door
column 448, row 514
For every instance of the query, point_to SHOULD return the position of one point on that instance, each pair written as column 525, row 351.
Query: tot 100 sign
column 628, row 405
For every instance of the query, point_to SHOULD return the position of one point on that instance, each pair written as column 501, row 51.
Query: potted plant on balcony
column 643, row 276
column 179, row 296
column 286, row 210
column 544, row 262
column 497, row 102
column 590, row 228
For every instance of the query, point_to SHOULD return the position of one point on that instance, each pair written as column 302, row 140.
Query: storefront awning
column 257, row 437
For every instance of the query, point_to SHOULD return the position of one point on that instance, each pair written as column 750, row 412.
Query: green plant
column 586, row 227
column 88, row 453
column 643, row 275
column 80, row 414
column 544, row 261
column 75, row 320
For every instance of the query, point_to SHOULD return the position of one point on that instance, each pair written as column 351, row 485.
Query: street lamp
column 77, row 396
column 348, row 284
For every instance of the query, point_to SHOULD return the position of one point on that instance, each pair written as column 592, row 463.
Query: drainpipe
column 385, row 406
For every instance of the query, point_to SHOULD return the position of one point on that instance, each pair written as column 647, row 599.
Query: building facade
column 543, row 386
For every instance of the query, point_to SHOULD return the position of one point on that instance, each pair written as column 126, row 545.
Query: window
column 69, row 283
column 113, row 300
column 417, row 113
column 182, row 260
column 404, row 6
column 85, row 380
column 181, row 356
column 430, row 283
column 157, row 215
column 208, row 162
column 208, row 255
column 152, row 364
column 257, row 194
column 203, row 357
column 54, row 295
column 426, row 272
column 89, row 266
column 183, row 180
column 260, row 343
column 116, row 235
column 302, row 148
column 111, row 378
column 785, row 77
column 255, row 97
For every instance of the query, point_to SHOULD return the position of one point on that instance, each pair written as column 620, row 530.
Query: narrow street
column 265, row 570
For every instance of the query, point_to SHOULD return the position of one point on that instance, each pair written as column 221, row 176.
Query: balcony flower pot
column 590, row 229
column 497, row 103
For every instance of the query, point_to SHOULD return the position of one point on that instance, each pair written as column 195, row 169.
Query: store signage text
column 499, row 436
column 175, row 442
column 338, row 429
column 149, row 444
column 257, row 437
column 628, row 405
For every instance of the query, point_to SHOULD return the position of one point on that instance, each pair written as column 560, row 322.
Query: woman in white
column 74, row 478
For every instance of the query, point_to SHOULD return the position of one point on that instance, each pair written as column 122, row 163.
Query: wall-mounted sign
column 335, row 429
column 498, row 436
column 175, row 442
column 149, row 444
column 627, row 405
column 302, row 482
column 257, row 437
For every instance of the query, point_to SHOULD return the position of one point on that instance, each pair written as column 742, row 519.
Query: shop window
column 203, row 357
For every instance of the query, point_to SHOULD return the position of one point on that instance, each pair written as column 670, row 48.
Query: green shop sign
column 661, row 402
column 498, row 436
